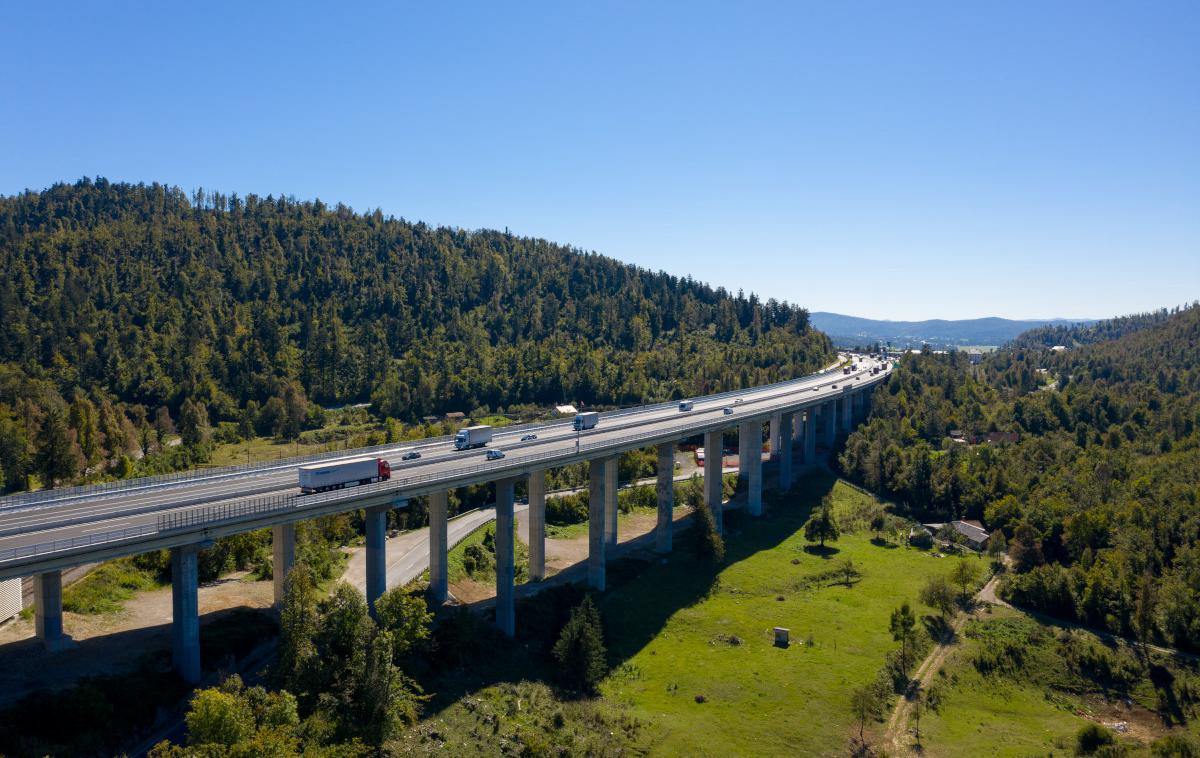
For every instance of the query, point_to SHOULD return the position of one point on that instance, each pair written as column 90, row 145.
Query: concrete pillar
column 785, row 456
column 610, row 501
column 439, row 570
column 749, row 444
column 754, row 488
column 831, row 422
column 47, row 610
column 773, row 436
column 712, row 476
column 847, row 413
column 666, row 497
column 810, row 437
column 505, row 591
column 596, row 524
column 185, row 612
column 283, row 548
column 537, row 525
column 797, row 426
column 376, row 554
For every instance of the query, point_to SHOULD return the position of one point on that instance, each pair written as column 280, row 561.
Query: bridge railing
column 26, row 499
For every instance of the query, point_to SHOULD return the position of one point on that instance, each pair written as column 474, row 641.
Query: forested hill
column 1098, row 498
column 1073, row 335
column 141, row 296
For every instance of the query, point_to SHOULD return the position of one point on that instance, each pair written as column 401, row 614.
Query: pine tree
column 580, row 648
column 58, row 455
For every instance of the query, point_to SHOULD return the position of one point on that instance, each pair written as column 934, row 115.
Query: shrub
column 1092, row 737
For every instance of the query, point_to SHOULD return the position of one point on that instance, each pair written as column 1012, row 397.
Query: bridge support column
column 376, row 554
column 47, row 610
column 283, row 549
column 847, row 412
column 712, row 476
column 831, row 422
column 610, row 501
column 439, row 577
column 810, row 436
column 785, row 455
column 749, row 445
column 797, row 426
column 596, row 524
column 537, row 525
column 185, row 612
column 505, row 610
column 666, row 497
column 754, row 486
column 773, row 438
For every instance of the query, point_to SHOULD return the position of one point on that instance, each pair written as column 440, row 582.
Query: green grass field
column 1036, row 702
column 679, row 633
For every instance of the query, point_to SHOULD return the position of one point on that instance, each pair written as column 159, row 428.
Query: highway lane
column 439, row 457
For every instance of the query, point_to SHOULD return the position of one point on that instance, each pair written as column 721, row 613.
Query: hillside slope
column 1098, row 497
column 139, row 298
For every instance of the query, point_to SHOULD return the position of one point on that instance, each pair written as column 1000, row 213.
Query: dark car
column 528, row 437
column 411, row 455
column 495, row 455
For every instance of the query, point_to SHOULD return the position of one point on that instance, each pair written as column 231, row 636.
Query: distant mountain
column 940, row 334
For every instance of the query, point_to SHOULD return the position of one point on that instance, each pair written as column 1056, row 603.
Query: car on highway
column 528, row 437
column 727, row 411
column 410, row 455
column 739, row 401
column 685, row 406
column 495, row 455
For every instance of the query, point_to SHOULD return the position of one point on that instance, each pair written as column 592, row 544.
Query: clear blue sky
column 893, row 160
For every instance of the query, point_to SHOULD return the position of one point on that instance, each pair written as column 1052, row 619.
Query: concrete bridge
column 43, row 533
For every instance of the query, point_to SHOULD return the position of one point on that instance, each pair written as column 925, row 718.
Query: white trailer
column 586, row 420
column 472, row 437
column 333, row 475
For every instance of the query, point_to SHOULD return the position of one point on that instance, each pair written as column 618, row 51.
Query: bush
column 706, row 540
column 1092, row 737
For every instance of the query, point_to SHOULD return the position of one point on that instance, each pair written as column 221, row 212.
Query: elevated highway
column 42, row 534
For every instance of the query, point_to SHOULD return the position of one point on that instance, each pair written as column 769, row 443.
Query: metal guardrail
column 251, row 469
column 29, row 551
column 240, row 510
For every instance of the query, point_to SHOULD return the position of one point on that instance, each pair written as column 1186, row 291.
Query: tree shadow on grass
column 822, row 551
column 939, row 629
column 885, row 544
column 643, row 593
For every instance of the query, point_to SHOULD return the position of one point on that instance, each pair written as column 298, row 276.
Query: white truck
column 685, row 406
column 472, row 437
column 586, row 420
column 334, row 475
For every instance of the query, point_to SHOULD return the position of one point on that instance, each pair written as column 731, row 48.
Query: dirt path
column 897, row 734
column 111, row 642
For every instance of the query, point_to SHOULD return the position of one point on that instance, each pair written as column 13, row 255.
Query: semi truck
column 586, row 420
column 472, row 437
column 334, row 475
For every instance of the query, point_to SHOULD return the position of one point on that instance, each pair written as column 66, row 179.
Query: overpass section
column 44, row 533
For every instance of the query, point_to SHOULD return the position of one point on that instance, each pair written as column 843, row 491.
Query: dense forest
column 131, row 312
column 1098, row 495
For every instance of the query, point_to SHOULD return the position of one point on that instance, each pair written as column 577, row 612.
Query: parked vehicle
column 685, row 406
column 334, row 475
column 495, row 455
column 472, row 437
column 528, row 437
column 586, row 420
column 410, row 455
